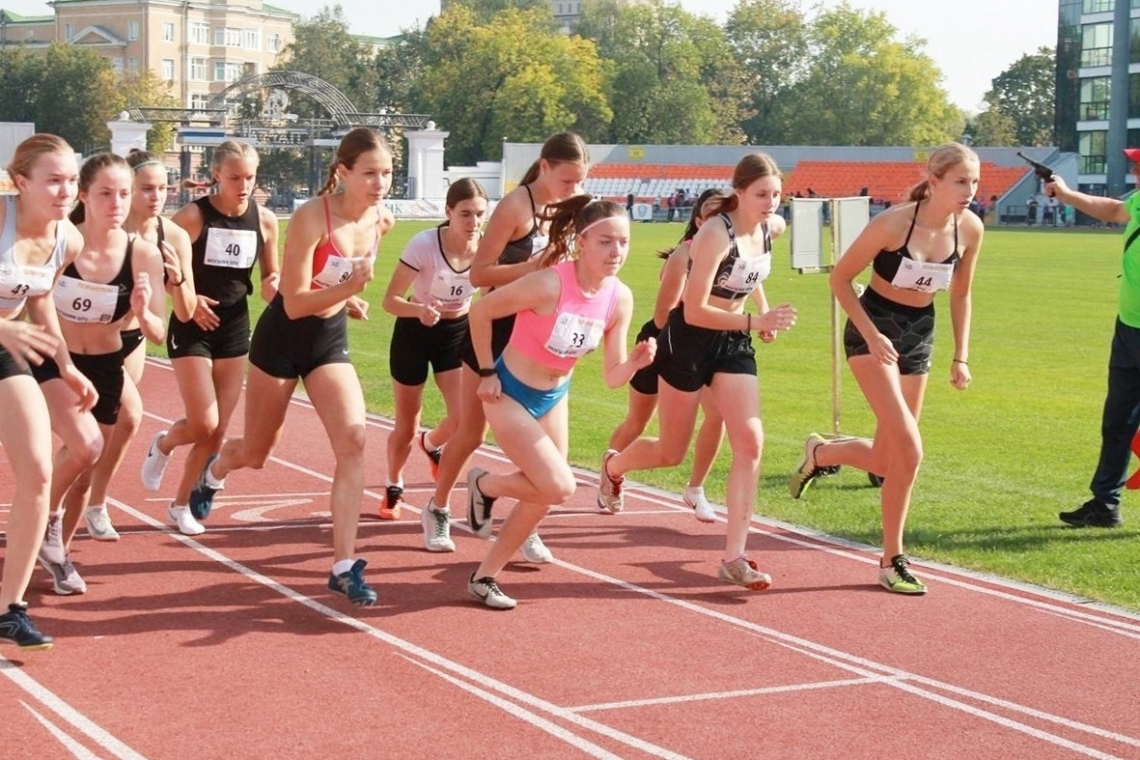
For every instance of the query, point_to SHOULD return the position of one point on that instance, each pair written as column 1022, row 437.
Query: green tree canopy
column 1021, row 101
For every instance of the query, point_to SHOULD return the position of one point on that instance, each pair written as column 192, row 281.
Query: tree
column 1022, row 97
column 674, row 79
column 145, row 88
column 485, row 10
column 769, row 41
column 513, row 78
column 992, row 126
column 863, row 87
column 323, row 47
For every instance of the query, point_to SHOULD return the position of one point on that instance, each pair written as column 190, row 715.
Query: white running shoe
column 154, row 465
column 437, row 528
column 610, row 497
column 181, row 518
column 694, row 498
column 51, row 550
column 534, row 551
column 98, row 522
column 65, row 578
column 487, row 591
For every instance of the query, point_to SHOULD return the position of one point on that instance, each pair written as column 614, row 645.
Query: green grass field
column 1001, row 459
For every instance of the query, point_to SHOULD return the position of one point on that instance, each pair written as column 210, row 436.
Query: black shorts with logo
column 644, row 381
column 689, row 357
column 228, row 341
column 909, row 328
column 415, row 347
column 292, row 348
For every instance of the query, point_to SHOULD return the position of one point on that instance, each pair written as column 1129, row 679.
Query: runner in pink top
column 563, row 312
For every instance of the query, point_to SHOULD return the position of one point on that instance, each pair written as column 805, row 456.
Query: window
column 1094, row 98
column 249, row 69
column 134, row 64
column 1099, row 6
column 251, row 39
column 132, row 30
column 167, row 31
column 200, row 33
column 1096, row 45
column 227, row 72
column 1093, row 149
column 227, row 37
column 167, row 69
column 273, row 43
column 198, row 70
column 67, row 32
column 1133, row 100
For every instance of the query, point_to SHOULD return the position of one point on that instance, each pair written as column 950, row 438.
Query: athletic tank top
column 330, row 266
column 436, row 281
column 530, row 244
column 901, row 270
column 225, row 252
column 573, row 329
column 736, row 277
column 19, row 282
column 85, row 302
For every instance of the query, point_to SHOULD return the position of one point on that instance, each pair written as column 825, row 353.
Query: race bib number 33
column 574, row 335
column 233, row 249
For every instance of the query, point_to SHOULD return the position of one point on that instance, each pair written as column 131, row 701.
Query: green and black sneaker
column 897, row 578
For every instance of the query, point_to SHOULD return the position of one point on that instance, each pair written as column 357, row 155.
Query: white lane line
column 1104, row 625
column 51, row 701
column 75, row 748
column 483, row 680
column 870, row 668
column 570, row 738
column 632, row 703
column 237, row 497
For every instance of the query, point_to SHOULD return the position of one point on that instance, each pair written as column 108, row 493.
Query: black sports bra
column 521, row 250
column 735, row 277
column 887, row 263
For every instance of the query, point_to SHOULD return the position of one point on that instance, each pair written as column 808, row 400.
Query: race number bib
column 233, row 249
column 18, row 282
column 746, row 274
column 922, row 276
column 538, row 244
column 336, row 270
column 85, row 302
column 574, row 335
column 451, row 290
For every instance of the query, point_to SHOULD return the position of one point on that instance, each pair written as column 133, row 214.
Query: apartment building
column 198, row 48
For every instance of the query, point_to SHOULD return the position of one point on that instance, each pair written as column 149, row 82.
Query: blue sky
column 972, row 41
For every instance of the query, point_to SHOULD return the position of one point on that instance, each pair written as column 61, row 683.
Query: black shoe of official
column 1093, row 514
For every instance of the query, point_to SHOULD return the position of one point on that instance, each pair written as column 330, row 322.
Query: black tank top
column 124, row 281
column 521, row 250
column 225, row 252
column 887, row 263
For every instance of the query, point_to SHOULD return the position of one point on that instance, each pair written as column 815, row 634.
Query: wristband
column 486, row 372
column 959, row 361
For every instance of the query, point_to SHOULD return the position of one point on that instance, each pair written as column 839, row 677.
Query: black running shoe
column 202, row 494
column 352, row 585
column 1093, row 514
column 17, row 627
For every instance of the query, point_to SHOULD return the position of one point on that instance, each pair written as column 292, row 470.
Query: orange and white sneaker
column 433, row 455
column 743, row 572
column 390, row 507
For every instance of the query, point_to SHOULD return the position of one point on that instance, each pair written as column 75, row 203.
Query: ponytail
column 919, row 192
column 531, row 173
column 333, row 180
column 564, row 147
column 569, row 219
column 78, row 214
column 696, row 216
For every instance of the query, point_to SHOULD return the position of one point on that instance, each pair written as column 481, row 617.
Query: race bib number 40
column 85, row 302
column 574, row 335
column 233, row 249
column 922, row 276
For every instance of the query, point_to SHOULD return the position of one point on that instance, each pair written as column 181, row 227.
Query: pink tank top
column 330, row 266
column 572, row 330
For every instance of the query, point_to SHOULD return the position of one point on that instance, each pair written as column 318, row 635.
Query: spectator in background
column 629, row 199
column 1031, row 213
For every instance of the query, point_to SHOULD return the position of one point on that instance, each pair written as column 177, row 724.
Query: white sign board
column 848, row 218
column 807, row 234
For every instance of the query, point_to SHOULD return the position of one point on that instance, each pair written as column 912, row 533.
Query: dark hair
column 357, row 141
column 942, row 159
column 224, row 151
column 692, row 227
column 752, row 167
column 137, row 159
column 463, row 190
column 568, row 219
column 564, row 147
column 87, row 174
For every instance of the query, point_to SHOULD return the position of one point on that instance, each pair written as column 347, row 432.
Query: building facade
column 197, row 48
column 1098, row 89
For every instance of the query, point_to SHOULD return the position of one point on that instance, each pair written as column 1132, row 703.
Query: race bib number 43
column 233, row 249
column 574, row 335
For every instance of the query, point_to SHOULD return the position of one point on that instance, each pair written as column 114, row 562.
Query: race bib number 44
column 574, row 335
column 922, row 276
column 85, row 302
column 233, row 249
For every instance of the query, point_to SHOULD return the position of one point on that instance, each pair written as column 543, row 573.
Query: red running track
column 229, row 645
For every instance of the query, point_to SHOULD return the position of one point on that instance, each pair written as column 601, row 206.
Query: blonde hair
column 357, row 141
column 942, row 159
column 222, row 153
column 30, row 150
